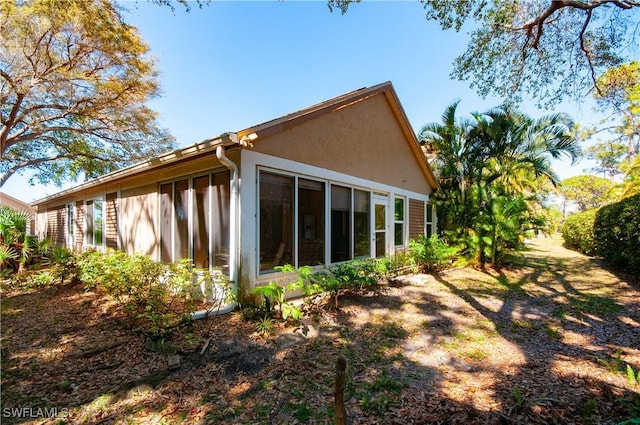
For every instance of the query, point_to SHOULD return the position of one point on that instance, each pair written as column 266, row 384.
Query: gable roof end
column 270, row 128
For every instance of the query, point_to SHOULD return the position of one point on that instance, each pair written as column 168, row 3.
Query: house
column 16, row 204
column 339, row 180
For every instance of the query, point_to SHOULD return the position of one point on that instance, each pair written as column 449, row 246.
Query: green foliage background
column 617, row 233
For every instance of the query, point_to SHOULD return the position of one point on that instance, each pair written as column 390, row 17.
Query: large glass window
column 181, row 219
column 362, row 223
column 310, row 222
column 221, row 207
column 276, row 220
column 166, row 222
column 340, row 224
column 429, row 222
column 194, row 220
column 201, row 221
column 98, row 222
column 399, row 222
column 94, row 222
column 88, row 222
column 294, row 227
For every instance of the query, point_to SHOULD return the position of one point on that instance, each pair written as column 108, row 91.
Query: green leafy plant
column 265, row 325
column 155, row 296
column 274, row 299
column 617, row 231
column 578, row 232
column 17, row 246
column 432, row 254
column 61, row 260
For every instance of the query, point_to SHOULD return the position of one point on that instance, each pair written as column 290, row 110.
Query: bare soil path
column 547, row 340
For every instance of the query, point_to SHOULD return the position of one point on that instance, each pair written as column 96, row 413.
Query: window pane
column 362, row 223
column 97, row 222
column 166, row 217
column 181, row 231
column 201, row 222
column 276, row 220
column 399, row 209
column 340, row 224
column 89, row 222
column 310, row 222
column 220, row 191
column 429, row 213
column 399, row 234
column 381, row 234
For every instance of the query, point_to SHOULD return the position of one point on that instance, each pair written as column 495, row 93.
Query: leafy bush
column 155, row 296
column 16, row 247
column 617, row 233
column 432, row 254
column 578, row 232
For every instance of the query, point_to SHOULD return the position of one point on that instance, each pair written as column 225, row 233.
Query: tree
column 620, row 94
column 547, row 49
column 608, row 156
column 74, row 82
column 586, row 191
column 494, row 169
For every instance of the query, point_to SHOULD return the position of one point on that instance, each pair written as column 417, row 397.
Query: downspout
column 234, row 240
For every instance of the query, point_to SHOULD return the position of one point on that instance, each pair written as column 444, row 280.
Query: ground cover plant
column 552, row 339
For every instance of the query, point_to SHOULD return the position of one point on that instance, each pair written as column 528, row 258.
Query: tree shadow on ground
column 538, row 343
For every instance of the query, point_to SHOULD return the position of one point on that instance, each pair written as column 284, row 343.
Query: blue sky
column 231, row 65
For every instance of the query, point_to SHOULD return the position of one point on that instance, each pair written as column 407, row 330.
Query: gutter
column 234, row 230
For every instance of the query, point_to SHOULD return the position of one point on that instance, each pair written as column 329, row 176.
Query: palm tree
column 453, row 164
column 15, row 245
column 492, row 170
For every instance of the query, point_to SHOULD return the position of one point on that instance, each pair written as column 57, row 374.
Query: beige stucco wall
column 364, row 140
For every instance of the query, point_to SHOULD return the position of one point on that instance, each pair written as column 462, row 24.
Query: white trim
column 251, row 163
column 405, row 207
column 253, row 159
column 101, row 247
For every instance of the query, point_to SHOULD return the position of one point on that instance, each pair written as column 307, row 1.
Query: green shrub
column 155, row 296
column 432, row 254
column 577, row 231
column 617, row 233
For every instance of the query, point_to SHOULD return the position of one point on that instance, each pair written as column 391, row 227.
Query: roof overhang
column 245, row 138
column 179, row 155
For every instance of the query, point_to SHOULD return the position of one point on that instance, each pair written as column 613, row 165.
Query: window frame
column 429, row 225
column 189, row 213
column 328, row 219
column 90, row 222
column 400, row 222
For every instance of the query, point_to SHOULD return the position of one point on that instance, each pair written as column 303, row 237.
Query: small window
column 94, row 222
column 429, row 228
column 399, row 222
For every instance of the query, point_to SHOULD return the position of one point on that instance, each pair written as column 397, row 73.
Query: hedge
column 577, row 231
column 617, row 233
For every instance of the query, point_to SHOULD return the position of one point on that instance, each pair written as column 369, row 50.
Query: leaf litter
column 545, row 340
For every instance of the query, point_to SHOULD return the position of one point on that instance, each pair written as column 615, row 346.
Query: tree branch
column 38, row 161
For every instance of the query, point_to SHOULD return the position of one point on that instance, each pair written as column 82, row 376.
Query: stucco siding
column 364, row 140
column 139, row 216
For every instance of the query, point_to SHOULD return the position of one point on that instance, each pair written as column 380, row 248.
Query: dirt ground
column 548, row 340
